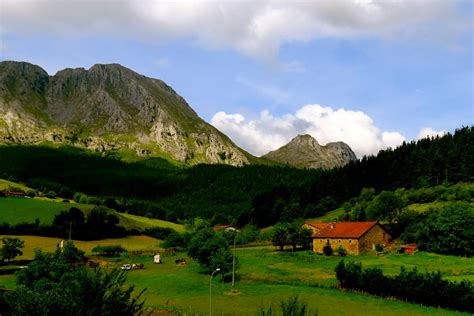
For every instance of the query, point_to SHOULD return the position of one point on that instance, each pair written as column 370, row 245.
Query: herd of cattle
column 127, row 267
column 135, row 266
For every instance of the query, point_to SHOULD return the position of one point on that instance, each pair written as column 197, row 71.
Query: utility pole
column 210, row 292
column 70, row 229
column 233, row 259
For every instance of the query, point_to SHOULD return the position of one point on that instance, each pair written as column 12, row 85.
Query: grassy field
column 15, row 210
column 265, row 277
column 130, row 221
column 49, row 244
column 5, row 184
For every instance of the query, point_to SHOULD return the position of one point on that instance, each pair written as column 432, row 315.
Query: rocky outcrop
column 304, row 151
column 106, row 108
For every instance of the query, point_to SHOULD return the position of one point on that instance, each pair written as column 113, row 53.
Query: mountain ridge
column 107, row 107
column 304, row 151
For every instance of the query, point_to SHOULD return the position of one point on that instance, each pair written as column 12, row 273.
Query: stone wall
column 376, row 235
column 366, row 243
column 350, row 244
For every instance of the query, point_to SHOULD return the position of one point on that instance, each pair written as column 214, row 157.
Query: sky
column 370, row 73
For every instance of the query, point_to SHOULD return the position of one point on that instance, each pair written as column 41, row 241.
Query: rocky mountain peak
column 304, row 151
column 304, row 140
column 107, row 107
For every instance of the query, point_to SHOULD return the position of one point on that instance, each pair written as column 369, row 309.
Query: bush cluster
column 416, row 287
column 98, row 224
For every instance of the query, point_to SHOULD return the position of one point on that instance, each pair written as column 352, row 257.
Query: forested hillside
column 260, row 194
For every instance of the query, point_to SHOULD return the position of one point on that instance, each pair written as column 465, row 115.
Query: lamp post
column 210, row 291
column 233, row 259
column 70, row 229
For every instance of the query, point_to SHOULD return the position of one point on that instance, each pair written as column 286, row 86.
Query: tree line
column 98, row 224
column 262, row 195
column 424, row 288
column 57, row 284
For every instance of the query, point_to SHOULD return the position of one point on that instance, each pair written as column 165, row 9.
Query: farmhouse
column 13, row 193
column 225, row 227
column 354, row 237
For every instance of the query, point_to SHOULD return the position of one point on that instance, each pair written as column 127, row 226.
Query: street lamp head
column 218, row 269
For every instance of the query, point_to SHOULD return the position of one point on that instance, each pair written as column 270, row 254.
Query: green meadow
column 49, row 244
column 15, row 210
column 5, row 185
column 264, row 277
column 131, row 221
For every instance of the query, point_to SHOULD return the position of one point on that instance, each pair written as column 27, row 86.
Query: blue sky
column 371, row 74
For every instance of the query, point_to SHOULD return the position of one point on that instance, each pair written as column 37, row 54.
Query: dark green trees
column 12, row 247
column 416, row 287
column 53, row 284
column 448, row 230
column 291, row 234
column 210, row 250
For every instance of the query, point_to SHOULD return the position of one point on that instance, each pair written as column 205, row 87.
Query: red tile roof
column 318, row 225
column 222, row 227
column 344, row 229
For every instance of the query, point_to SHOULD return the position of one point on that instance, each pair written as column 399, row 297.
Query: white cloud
column 255, row 29
column 429, row 132
column 326, row 124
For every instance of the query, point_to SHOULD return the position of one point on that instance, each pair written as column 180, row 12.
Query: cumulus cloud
column 429, row 132
column 326, row 124
column 256, row 29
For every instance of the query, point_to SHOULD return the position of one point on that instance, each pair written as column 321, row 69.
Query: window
column 327, row 241
column 339, row 241
column 350, row 241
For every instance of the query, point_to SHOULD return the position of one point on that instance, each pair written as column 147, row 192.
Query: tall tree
column 51, row 286
column 12, row 247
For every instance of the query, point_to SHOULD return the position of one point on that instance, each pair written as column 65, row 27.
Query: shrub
column 109, row 251
column 378, row 248
column 290, row 307
column 327, row 250
column 50, row 195
column 30, row 193
column 425, row 288
column 159, row 232
column 341, row 251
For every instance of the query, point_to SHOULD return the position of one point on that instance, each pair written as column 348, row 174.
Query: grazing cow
column 93, row 263
column 180, row 261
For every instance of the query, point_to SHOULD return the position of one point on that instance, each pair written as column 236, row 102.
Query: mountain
column 304, row 151
column 107, row 108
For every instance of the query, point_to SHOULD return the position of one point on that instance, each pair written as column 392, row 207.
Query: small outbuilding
column 14, row 194
column 409, row 249
column 157, row 258
column 225, row 227
column 354, row 237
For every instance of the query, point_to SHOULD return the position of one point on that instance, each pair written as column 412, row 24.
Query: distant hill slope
column 9, row 185
column 107, row 108
column 16, row 210
column 304, row 151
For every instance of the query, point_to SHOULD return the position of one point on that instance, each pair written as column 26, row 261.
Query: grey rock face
column 304, row 151
column 107, row 107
